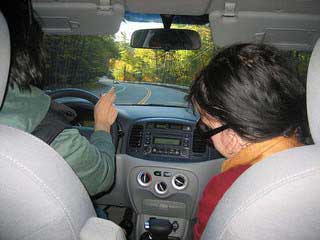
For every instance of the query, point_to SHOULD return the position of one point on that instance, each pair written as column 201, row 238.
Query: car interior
column 162, row 163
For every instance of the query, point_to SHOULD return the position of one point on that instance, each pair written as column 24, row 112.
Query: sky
column 130, row 27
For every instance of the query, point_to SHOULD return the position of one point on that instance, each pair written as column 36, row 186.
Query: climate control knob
column 179, row 182
column 161, row 188
column 144, row 178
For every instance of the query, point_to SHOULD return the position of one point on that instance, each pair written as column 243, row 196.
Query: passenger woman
column 251, row 105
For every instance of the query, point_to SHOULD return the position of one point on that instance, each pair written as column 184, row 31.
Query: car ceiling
column 284, row 23
column 199, row 7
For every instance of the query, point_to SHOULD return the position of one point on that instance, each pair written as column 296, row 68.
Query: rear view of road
column 128, row 93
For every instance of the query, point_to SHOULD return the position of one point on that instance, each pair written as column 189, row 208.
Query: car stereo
column 167, row 139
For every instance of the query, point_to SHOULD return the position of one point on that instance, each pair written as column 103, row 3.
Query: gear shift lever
column 158, row 228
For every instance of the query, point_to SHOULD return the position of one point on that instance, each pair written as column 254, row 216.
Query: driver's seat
column 40, row 196
column 277, row 198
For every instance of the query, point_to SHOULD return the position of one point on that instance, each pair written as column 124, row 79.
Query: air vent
column 136, row 136
column 198, row 144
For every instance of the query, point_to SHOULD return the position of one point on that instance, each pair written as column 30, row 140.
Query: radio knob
column 147, row 150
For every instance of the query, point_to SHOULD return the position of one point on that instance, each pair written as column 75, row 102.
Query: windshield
column 140, row 76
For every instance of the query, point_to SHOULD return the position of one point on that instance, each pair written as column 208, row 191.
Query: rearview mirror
column 166, row 39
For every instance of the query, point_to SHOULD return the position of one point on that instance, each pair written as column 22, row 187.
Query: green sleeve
column 93, row 162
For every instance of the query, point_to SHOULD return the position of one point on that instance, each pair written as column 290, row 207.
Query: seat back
column 277, row 198
column 40, row 196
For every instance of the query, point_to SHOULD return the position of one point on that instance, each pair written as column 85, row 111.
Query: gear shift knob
column 159, row 228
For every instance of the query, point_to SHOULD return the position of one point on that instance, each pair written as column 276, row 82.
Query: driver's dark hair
column 252, row 88
column 26, row 37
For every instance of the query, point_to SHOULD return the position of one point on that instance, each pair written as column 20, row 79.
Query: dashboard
column 162, row 164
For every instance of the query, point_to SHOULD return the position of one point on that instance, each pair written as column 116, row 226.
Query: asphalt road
column 128, row 93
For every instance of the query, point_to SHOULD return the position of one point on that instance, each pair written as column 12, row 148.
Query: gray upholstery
column 283, row 30
column 313, row 93
column 79, row 17
column 39, row 193
column 4, row 56
column 277, row 198
column 99, row 229
column 40, row 196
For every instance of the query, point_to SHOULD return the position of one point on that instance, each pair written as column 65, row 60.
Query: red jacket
column 232, row 168
column 212, row 194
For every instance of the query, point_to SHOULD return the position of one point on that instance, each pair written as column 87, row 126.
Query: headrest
column 313, row 93
column 4, row 56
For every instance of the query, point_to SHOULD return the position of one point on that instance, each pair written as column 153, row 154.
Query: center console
column 165, row 186
column 159, row 192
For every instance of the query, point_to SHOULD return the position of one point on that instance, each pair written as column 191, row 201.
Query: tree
column 78, row 59
column 174, row 67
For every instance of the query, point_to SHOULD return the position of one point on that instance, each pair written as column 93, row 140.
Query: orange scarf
column 258, row 151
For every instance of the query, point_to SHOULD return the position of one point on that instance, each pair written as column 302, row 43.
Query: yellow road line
column 146, row 97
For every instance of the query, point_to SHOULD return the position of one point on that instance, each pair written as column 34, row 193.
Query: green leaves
column 174, row 67
column 82, row 60
column 75, row 60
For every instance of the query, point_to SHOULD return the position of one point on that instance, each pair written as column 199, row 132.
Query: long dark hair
column 26, row 37
column 252, row 88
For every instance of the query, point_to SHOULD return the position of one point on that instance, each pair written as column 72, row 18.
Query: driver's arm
column 93, row 161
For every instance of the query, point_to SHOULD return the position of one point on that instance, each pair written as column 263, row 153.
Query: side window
column 300, row 61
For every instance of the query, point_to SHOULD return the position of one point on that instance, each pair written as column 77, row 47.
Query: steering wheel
column 73, row 92
column 86, row 95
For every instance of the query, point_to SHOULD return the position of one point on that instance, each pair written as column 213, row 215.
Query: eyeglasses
column 207, row 132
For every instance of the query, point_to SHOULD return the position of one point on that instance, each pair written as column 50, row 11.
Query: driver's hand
column 104, row 112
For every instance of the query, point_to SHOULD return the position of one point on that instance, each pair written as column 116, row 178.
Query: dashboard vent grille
column 136, row 136
column 198, row 144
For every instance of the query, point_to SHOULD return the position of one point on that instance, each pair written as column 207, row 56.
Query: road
column 128, row 93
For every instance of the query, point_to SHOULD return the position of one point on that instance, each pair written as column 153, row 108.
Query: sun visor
column 79, row 17
column 283, row 30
